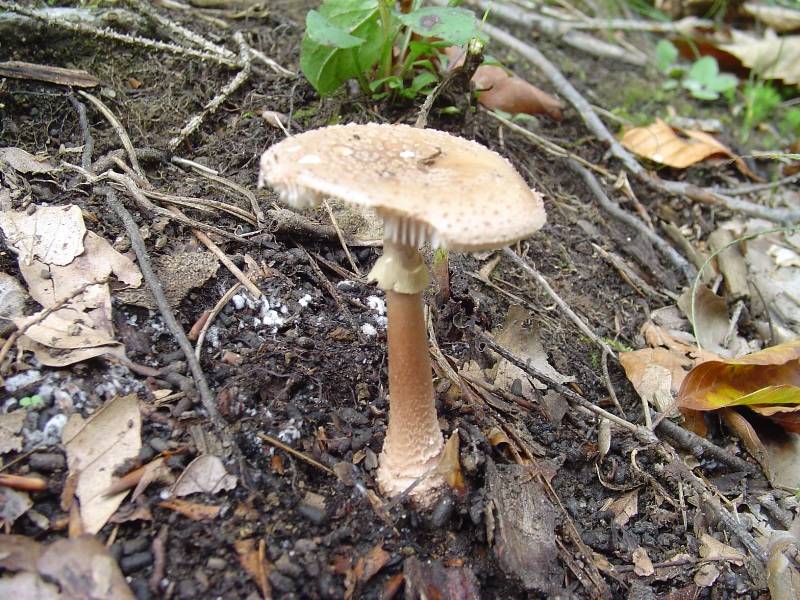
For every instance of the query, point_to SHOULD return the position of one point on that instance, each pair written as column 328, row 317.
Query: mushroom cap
column 426, row 184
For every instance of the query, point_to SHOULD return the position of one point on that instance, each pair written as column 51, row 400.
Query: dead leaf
column 52, row 234
column 706, row 575
column 12, row 297
column 780, row 18
column 193, row 510
column 24, row 162
column 625, row 507
column 642, row 565
column 365, row 568
column 430, row 579
column 771, row 376
column 449, row 466
column 10, row 426
column 712, row 549
column 769, row 57
column 253, row 561
column 95, row 448
column 81, row 568
column 498, row 89
column 745, row 431
column 179, row 274
column 783, row 577
column 519, row 334
column 636, row 365
column 711, row 321
column 206, row 475
column 84, row 568
column 660, row 143
column 13, row 504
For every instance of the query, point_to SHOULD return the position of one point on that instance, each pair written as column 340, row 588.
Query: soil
column 309, row 376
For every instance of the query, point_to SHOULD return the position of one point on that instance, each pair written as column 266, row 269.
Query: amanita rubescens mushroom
column 428, row 186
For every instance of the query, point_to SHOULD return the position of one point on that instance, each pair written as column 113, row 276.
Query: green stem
column 388, row 40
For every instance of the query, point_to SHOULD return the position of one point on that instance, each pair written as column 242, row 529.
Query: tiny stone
column 47, row 462
column 285, row 565
column 305, row 546
column 140, row 589
column 370, row 460
column 216, row 563
column 158, row 444
column 186, row 589
column 135, row 545
column 281, row 582
column 134, row 562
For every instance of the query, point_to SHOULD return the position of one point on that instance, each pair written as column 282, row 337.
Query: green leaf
column 723, row 82
column 704, row 69
column 454, row 26
column 322, row 31
column 666, row 55
column 326, row 67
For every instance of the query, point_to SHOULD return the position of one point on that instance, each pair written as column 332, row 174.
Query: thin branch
column 137, row 243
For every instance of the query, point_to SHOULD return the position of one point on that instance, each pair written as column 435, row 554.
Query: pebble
column 286, row 566
column 159, row 444
column 304, row 545
column 216, row 563
column 134, row 562
column 281, row 582
column 139, row 544
column 47, row 462
column 140, row 589
column 186, row 589
column 313, row 508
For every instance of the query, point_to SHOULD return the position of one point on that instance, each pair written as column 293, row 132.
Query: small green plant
column 702, row 79
column 790, row 124
column 705, row 82
column 371, row 42
column 760, row 100
column 31, row 401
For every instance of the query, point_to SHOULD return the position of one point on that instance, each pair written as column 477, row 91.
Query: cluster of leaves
column 385, row 50
column 703, row 80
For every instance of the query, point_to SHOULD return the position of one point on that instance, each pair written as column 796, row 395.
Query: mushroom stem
column 413, row 441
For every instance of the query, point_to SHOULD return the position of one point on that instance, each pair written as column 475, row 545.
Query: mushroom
column 427, row 185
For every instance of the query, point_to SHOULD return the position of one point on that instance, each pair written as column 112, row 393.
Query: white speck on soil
column 289, row 434
column 239, row 302
column 368, row 329
column 305, row 300
column 25, row 378
column 377, row 304
column 52, row 429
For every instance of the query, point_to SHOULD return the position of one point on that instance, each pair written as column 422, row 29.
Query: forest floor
column 275, row 495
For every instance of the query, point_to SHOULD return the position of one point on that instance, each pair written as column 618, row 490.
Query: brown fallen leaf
column 498, row 89
column 365, row 568
column 192, row 510
column 450, row 466
column 660, row 143
column 252, row 558
column 642, row 565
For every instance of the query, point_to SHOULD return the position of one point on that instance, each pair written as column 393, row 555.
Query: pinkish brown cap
column 427, row 185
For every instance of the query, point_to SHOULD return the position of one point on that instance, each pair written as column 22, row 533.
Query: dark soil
column 316, row 382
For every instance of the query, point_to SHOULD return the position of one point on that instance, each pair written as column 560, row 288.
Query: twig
column 159, row 548
column 610, row 386
column 232, row 185
column 701, row 447
column 342, row 241
column 118, row 129
column 203, row 204
column 223, row 258
column 137, row 243
column 213, row 104
column 529, row 270
column 596, row 126
column 263, row 58
column 547, row 145
column 634, row 222
column 758, row 187
column 183, row 32
column 569, row 35
column 296, row 453
column 83, row 123
column 226, row 297
column 83, row 28
column 644, row 435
